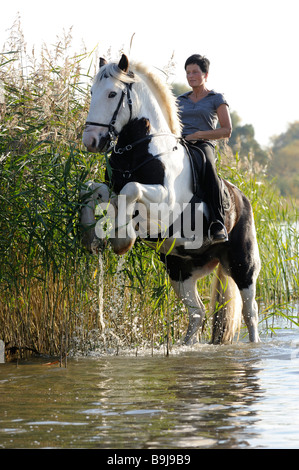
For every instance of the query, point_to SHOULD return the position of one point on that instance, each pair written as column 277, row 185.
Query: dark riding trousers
column 211, row 183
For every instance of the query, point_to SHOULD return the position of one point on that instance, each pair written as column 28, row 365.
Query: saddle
column 198, row 168
column 197, row 160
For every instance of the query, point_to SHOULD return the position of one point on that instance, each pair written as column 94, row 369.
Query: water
column 240, row 396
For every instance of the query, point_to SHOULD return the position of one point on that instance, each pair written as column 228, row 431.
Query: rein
column 126, row 174
column 129, row 147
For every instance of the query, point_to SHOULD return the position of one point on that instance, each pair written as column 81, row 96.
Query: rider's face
column 195, row 76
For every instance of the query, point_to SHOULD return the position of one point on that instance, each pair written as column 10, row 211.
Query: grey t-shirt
column 200, row 116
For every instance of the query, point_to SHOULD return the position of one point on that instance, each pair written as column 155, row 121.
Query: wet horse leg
column 245, row 274
column 244, row 266
column 250, row 312
column 187, row 292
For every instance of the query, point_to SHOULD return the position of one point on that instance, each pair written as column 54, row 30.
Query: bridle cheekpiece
column 111, row 126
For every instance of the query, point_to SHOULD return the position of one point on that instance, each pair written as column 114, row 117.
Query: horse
column 134, row 116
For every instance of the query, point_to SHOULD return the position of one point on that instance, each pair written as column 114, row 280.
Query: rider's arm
column 222, row 132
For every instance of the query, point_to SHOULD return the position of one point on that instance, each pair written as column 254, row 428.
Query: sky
column 252, row 45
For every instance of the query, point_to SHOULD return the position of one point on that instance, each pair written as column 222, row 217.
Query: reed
column 55, row 298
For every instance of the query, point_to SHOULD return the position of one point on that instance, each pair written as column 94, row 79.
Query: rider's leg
column 213, row 195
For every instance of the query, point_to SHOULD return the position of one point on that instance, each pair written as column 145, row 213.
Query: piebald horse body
column 149, row 167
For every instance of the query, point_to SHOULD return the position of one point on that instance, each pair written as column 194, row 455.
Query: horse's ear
column 124, row 63
column 102, row 62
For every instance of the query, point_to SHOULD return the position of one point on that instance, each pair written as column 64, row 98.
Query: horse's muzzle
column 96, row 143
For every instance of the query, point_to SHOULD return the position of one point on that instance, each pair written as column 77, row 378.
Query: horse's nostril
column 94, row 143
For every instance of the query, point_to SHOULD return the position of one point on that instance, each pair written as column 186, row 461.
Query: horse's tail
column 226, row 307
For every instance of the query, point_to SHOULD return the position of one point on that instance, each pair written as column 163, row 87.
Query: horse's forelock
column 112, row 70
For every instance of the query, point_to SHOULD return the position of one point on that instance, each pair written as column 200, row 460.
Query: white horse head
column 115, row 101
column 110, row 107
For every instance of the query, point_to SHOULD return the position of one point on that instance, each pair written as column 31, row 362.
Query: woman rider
column 200, row 111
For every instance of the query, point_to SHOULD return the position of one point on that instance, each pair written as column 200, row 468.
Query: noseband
column 111, row 126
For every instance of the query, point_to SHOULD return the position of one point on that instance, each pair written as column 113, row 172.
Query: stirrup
column 211, row 239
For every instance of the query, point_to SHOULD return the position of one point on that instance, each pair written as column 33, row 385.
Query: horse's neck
column 150, row 109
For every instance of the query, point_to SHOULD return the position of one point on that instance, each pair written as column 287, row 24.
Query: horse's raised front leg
column 92, row 195
column 187, row 292
column 131, row 194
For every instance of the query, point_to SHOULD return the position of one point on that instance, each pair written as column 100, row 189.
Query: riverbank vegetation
column 54, row 297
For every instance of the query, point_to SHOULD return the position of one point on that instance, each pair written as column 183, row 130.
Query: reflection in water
column 209, row 397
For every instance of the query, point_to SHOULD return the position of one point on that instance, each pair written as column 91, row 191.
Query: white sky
column 252, row 44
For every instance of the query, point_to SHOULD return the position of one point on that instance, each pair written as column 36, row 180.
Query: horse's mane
column 160, row 89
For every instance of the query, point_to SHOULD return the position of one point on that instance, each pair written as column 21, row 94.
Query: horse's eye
column 112, row 94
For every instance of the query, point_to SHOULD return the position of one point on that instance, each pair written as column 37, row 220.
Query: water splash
column 2, row 352
column 101, row 294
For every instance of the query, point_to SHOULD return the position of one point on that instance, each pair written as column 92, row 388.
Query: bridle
column 113, row 134
column 111, row 126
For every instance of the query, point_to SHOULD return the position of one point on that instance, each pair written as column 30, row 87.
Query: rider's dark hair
column 200, row 60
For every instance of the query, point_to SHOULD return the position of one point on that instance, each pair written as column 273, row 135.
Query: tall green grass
column 54, row 297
